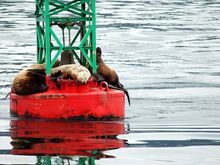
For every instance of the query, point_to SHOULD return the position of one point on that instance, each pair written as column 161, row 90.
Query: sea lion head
column 99, row 55
column 37, row 74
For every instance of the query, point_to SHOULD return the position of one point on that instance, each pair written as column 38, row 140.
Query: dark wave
column 175, row 143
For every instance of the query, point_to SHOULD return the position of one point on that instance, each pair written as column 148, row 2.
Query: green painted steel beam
column 47, row 37
column 82, row 13
column 70, row 7
column 64, row 19
column 93, row 55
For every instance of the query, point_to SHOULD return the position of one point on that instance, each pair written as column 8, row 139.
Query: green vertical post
column 47, row 36
column 82, row 33
column 93, row 57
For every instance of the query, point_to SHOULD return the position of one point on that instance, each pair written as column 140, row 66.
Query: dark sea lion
column 66, row 58
column 109, row 74
column 30, row 80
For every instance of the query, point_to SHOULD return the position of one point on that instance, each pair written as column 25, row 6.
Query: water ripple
column 166, row 53
column 172, row 136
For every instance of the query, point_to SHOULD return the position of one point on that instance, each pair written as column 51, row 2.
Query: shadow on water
column 65, row 141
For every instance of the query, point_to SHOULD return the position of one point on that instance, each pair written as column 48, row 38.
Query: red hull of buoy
column 71, row 101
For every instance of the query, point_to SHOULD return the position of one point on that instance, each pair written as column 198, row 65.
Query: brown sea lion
column 66, row 58
column 30, row 80
column 109, row 74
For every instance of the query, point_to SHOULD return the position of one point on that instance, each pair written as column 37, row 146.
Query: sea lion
column 69, row 70
column 109, row 74
column 75, row 72
column 66, row 58
column 30, row 80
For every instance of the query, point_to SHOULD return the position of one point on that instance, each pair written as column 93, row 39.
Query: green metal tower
column 66, row 25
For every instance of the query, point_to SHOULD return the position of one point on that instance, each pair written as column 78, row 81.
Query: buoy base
column 72, row 101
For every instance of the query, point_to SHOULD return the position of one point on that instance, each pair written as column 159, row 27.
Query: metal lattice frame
column 72, row 15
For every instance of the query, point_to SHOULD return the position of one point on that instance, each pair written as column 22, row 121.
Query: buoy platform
column 71, row 101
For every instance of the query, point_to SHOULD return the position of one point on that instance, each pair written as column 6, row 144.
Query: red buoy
column 71, row 101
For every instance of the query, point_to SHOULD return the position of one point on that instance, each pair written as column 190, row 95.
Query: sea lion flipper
column 122, row 89
column 127, row 94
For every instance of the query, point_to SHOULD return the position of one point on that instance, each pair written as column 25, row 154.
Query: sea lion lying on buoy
column 109, row 75
column 75, row 72
column 30, row 80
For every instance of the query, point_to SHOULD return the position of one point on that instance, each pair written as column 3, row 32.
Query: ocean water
column 166, row 53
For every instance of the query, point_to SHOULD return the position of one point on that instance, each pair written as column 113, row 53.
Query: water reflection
column 60, row 141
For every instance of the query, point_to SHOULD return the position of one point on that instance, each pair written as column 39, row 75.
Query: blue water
column 166, row 53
